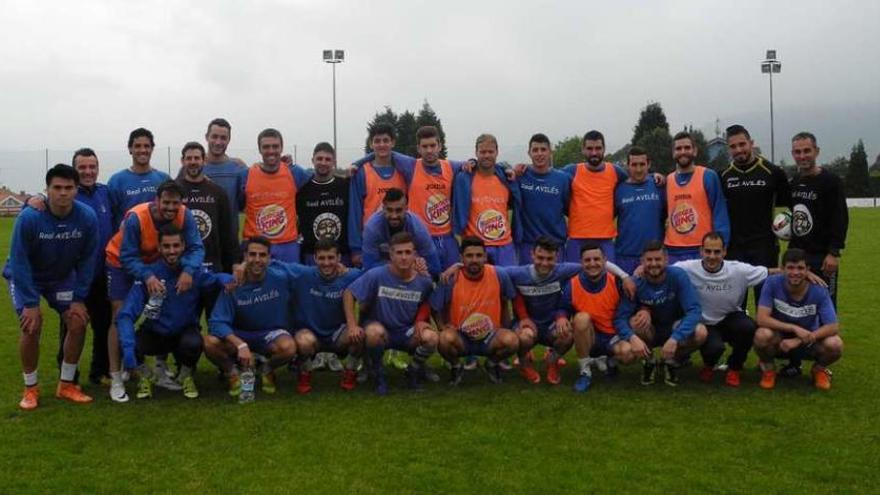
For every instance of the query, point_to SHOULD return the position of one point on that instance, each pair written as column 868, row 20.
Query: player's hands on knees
column 638, row 347
column 31, row 320
column 184, row 282
column 563, row 327
column 641, row 320
column 356, row 334
column 154, row 286
column 669, row 349
column 78, row 310
column 420, row 327
column 808, row 337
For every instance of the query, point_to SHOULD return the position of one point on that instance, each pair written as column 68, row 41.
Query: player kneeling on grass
column 171, row 318
column 796, row 319
column 592, row 297
column 472, row 311
column 394, row 311
column 319, row 315
column 53, row 255
column 253, row 319
column 665, row 313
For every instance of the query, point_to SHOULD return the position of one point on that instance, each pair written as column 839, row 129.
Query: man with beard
column 665, row 313
column 171, row 322
column 471, row 311
column 253, row 319
column 395, row 218
column 695, row 203
column 753, row 187
column 133, row 247
column 136, row 184
column 268, row 195
column 796, row 319
column 591, row 212
column 322, row 206
column 482, row 202
column 394, row 312
column 222, row 169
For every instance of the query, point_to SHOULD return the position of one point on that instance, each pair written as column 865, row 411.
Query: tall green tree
column 427, row 116
column 567, row 151
column 388, row 116
column 658, row 144
column 651, row 117
column 406, row 134
column 858, row 181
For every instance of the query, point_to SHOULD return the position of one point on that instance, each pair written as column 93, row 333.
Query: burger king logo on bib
column 477, row 326
column 492, row 225
column 437, row 209
column 271, row 220
column 684, row 218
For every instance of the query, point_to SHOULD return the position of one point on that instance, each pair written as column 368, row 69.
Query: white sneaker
column 334, row 363
column 319, row 362
column 125, row 376
column 117, row 392
column 167, row 383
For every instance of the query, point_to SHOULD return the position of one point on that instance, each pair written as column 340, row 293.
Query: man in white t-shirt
column 722, row 286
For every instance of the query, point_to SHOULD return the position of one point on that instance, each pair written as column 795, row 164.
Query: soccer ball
column 782, row 225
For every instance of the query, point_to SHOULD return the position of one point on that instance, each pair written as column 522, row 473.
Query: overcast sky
column 86, row 73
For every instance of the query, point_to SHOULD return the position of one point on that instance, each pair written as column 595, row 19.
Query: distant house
column 11, row 202
column 716, row 146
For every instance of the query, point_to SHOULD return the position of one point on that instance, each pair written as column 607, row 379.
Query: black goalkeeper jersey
column 752, row 193
column 322, row 209
column 819, row 218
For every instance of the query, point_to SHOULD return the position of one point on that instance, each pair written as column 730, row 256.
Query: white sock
column 68, row 371
column 116, row 377
column 30, row 379
column 584, row 365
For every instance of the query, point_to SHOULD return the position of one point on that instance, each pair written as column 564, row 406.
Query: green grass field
column 511, row 438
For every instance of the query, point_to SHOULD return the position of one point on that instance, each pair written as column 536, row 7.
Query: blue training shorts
column 259, row 341
column 59, row 295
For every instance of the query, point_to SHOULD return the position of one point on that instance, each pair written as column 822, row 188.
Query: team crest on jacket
column 492, row 225
column 684, row 218
column 801, row 220
column 477, row 326
column 203, row 222
column 437, row 209
column 271, row 220
column 327, row 226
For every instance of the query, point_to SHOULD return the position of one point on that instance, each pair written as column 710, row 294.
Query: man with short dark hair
column 136, row 184
column 393, row 218
column 268, row 196
column 394, row 312
column 640, row 207
column 695, row 203
column 796, row 320
column 753, row 187
column 665, row 313
column 322, row 206
column 171, row 318
column 224, row 170
column 52, row 255
column 471, row 311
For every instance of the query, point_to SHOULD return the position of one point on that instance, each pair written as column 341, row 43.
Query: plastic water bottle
column 247, row 386
column 154, row 305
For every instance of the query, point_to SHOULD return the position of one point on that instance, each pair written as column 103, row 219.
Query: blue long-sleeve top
column 130, row 252
column 545, row 200
column 254, row 306
column 300, row 176
column 318, row 300
column 178, row 311
column 98, row 198
column 461, row 202
column 377, row 235
column 717, row 201
column 542, row 296
column 641, row 211
column 128, row 189
column 357, row 190
column 228, row 176
column 46, row 249
column 672, row 299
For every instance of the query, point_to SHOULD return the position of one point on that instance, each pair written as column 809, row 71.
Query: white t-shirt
column 722, row 292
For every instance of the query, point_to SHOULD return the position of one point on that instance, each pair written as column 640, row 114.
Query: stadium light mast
column 770, row 66
column 334, row 57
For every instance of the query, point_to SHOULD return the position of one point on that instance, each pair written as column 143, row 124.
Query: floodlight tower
column 334, row 57
column 770, row 66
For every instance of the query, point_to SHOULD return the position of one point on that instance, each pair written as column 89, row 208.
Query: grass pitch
column 512, row 438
